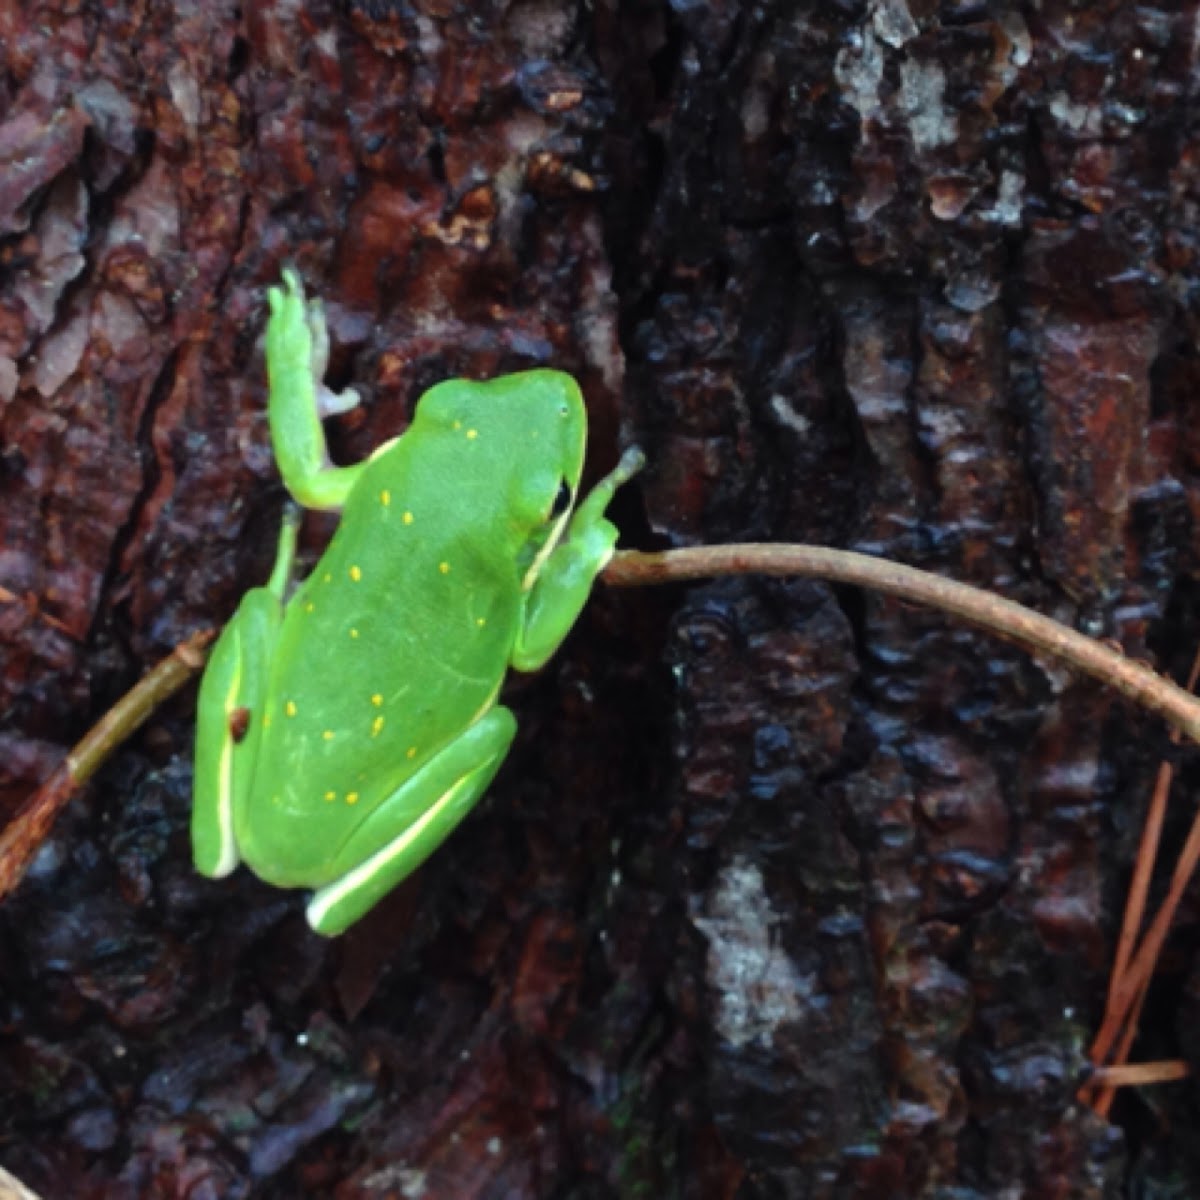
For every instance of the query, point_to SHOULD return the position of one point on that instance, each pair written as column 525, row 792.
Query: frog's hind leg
column 413, row 822
column 229, row 710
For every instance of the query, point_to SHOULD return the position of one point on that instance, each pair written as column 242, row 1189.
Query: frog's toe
column 330, row 403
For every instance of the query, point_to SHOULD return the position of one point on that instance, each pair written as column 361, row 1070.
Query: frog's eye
column 562, row 501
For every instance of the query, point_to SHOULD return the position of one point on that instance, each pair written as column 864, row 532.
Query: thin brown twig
column 21, row 838
column 1142, row 965
column 1128, row 1015
column 1141, row 1074
column 1003, row 617
column 1107, row 1092
column 1143, row 869
column 1098, row 1094
column 1139, row 888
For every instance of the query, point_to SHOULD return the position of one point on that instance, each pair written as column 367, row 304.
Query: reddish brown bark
column 786, row 890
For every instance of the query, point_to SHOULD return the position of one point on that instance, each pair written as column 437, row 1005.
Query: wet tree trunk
column 785, row 890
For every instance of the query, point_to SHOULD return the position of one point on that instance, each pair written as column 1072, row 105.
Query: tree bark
column 787, row 890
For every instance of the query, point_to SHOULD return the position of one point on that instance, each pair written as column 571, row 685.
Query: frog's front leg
column 229, row 711
column 297, row 353
column 412, row 822
column 565, row 579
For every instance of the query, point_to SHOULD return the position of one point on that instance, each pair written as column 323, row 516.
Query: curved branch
column 21, row 837
column 986, row 610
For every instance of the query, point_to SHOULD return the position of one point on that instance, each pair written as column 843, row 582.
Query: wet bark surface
column 786, row 890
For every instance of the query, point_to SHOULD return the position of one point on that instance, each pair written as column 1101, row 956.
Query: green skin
column 344, row 730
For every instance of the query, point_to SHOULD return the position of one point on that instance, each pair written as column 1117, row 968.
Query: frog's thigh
column 229, row 711
column 231, row 695
column 391, row 845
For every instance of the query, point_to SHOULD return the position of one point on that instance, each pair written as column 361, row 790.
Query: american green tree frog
column 346, row 725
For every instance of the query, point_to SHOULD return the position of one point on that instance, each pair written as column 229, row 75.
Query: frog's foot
column 329, row 402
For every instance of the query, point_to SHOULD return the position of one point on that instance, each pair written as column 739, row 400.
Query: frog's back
column 394, row 645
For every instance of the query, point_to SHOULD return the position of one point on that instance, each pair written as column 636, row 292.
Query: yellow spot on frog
column 356, row 573
column 481, row 621
column 412, row 752
column 377, row 700
column 331, row 795
column 472, row 434
column 328, row 735
column 444, row 567
column 309, row 606
column 408, row 518
column 385, row 497
column 351, row 797
column 267, row 721
column 290, row 708
column 327, row 577
column 457, row 425
column 354, row 633
column 376, row 726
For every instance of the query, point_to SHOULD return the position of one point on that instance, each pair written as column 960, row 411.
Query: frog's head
column 528, row 433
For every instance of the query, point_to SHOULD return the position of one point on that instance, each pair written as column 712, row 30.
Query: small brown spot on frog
column 239, row 723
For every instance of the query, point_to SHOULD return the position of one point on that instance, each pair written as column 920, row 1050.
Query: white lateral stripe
column 325, row 898
column 548, row 546
column 229, row 853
